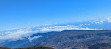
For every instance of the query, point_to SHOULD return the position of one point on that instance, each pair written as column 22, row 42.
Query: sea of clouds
column 22, row 33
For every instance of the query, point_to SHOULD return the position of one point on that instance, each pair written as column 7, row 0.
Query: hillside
column 77, row 39
column 68, row 39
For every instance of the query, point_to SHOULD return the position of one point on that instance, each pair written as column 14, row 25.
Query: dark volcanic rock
column 4, row 48
column 36, row 48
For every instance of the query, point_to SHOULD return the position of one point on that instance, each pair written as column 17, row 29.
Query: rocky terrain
column 79, row 39
column 28, row 48
column 4, row 48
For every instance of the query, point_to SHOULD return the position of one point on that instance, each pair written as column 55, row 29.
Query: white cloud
column 16, row 35
column 102, row 20
column 98, row 21
column 32, row 38
column 108, row 19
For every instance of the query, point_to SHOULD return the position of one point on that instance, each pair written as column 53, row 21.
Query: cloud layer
column 20, row 34
column 23, row 33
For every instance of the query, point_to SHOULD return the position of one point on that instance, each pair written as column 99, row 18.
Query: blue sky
column 24, row 13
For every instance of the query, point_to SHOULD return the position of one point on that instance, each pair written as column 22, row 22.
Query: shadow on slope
column 101, row 46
